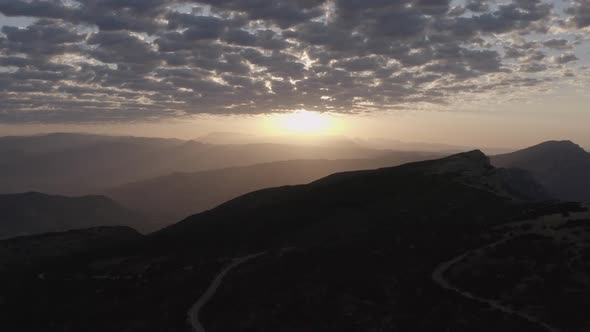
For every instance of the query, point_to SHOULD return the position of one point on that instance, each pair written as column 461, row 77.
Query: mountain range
column 322, row 140
column 78, row 164
column 560, row 167
column 353, row 251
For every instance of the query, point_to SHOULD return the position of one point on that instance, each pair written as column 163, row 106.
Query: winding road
column 438, row 278
column 193, row 313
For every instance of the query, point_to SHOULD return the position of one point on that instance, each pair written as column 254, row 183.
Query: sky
column 477, row 72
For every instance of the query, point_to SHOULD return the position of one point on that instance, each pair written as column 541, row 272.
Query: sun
column 304, row 122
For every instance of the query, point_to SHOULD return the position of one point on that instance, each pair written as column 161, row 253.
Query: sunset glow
column 304, row 122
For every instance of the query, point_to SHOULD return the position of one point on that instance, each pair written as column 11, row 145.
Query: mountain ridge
column 339, row 201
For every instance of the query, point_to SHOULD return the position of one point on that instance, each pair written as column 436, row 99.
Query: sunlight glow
column 304, row 122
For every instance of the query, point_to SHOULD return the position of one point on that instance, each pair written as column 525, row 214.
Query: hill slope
column 41, row 248
column 176, row 196
column 350, row 205
column 31, row 213
column 350, row 252
column 562, row 167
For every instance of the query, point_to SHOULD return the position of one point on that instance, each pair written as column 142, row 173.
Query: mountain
column 562, row 167
column 386, row 143
column 32, row 213
column 176, row 196
column 347, row 205
column 49, row 142
column 229, row 138
column 305, row 140
column 323, row 140
column 77, row 164
column 397, row 145
column 371, row 250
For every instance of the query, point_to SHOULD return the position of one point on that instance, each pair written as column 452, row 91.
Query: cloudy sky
column 432, row 69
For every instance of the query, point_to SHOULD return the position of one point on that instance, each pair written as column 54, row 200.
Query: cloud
column 127, row 60
column 558, row 44
column 580, row 12
column 565, row 58
column 283, row 13
column 134, row 15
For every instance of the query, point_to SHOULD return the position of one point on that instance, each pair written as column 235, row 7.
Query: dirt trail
column 193, row 313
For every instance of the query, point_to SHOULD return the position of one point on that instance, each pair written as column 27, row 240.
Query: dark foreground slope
column 32, row 213
column 562, row 167
column 45, row 248
column 351, row 252
column 541, row 267
column 173, row 197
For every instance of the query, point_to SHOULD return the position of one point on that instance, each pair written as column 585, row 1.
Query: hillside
column 32, row 213
column 42, row 248
column 347, row 205
column 562, row 167
column 173, row 197
column 353, row 251
column 540, row 266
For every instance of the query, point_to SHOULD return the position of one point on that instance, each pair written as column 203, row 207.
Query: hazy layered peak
column 553, row 146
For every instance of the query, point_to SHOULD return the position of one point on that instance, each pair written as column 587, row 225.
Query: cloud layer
column 127, row 60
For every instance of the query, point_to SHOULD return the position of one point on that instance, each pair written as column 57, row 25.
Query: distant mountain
column 562, row 167
column 78, row 164
column 398, row 145
column 386, row 143
column 348, row 205
column 224, row 137
column 305, row 140
column 334, row 140
column 45, row 143
column 33, row 213
column 173, row 197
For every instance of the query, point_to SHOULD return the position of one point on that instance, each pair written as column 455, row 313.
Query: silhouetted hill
column 350, row 205
column 77, row 164
column 32, row 213
column 172, row 197
column 562, row 167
